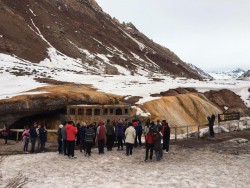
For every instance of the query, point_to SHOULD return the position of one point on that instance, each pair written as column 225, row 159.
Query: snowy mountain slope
column 81, row 32
column 228, row 74
column 200, row 71
column 125, row 85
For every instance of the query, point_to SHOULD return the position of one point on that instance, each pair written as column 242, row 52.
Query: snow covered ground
column 126, row 85
column 179, row 168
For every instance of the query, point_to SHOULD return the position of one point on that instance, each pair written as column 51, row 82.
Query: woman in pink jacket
column 26, row 138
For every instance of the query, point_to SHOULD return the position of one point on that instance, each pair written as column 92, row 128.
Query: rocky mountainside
column 55, row 53
column 49, row 31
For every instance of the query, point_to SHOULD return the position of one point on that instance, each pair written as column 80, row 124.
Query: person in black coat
column 33, row 136
column 81, row 133
column 43, row 137
column 166, row 135
column 211, row 125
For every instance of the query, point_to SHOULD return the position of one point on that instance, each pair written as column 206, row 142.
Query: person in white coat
column 130, row 138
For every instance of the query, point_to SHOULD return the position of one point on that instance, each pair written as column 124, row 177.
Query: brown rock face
column 226, row 98
column 182, row 109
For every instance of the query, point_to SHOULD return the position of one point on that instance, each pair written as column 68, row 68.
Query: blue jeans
column 158, row 155
column 26, row 143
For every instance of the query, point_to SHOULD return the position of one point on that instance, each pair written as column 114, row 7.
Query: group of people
column 122, row 133
column 36, row 133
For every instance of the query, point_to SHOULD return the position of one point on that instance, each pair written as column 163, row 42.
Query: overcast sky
column 211, row 34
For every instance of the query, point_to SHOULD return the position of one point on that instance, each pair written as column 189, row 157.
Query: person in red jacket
column 149, row 144
column 101, row 137
column 71, row 131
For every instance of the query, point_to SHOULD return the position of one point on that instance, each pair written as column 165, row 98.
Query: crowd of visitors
column 118, row 134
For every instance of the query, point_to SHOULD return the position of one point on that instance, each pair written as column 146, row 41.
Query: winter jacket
column 89, row 135
column 110, row 129
column 63, row 132
column 157, row 141
column 149, row 138
column 26, row 134
column 42, row 134
column 82, row 132
column 33, row 133
column 101, row 132
column 130, row 135
column 59, row 134
column 119, row 130
column 71, row 132
column 139, row 128
column 166, row 134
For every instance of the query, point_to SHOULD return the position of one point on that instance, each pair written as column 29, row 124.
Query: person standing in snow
column 166, row 136
column 211, row 125
column 26, row 137
column 59, row 138
column 159, row 124
column 71, row 132
column 101, row 137
column 146, row 129
column 5, row 134
column 139, row 132
column 149, row 144
column 64, row 138
column 110, row 135
column 89, row 136
column 81, row 133
column 119, row 134
column 33, row 136
column 157, row 145
column 42, row 137
column 135, row 124
column 130, row 135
